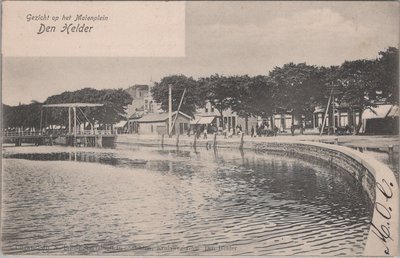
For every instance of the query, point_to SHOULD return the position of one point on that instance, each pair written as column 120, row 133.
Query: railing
column 96, row 132
column 57, row 132
column 21, row 133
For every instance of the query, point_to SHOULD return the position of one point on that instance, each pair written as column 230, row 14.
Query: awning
column 206, row 120
column 380, row 111
column 203, row 120
column 120, row 124
column 394, row 111
column 319, row 110
column 194, row 121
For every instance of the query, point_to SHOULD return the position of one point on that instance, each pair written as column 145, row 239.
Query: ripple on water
column 179, row 202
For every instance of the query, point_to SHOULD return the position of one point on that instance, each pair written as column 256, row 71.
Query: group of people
column 198, row 131
column 263, row 130
column 258, row 130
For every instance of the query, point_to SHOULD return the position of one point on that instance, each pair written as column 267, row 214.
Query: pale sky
column 226, row 38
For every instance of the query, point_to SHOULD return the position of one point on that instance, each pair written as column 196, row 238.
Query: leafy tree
column 360, row 86
column 113, row 110
column 387, row 74
column 193, row 95
column 253, row 98
column 296, row 88
column 22, row 116
column 221, row 92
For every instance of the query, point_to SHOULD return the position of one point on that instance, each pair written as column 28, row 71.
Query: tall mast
column 169, row 110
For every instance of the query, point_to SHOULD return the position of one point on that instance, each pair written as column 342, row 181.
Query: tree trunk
column 301, row 125
column 353, row 117
column 350, row 120
column 222, row 119
column 359, row 122
column 246, row 119
column 292, row 127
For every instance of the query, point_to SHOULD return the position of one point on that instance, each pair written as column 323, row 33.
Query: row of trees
column 298, row 88
column 35, row 116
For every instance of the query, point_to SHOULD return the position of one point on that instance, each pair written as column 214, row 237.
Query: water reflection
column 180, row 202
column 102, row 158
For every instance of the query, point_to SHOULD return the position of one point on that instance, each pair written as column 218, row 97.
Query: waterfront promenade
column 355, row 141
column 377, row 146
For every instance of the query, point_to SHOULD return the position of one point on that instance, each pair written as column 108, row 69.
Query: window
column 343, row 120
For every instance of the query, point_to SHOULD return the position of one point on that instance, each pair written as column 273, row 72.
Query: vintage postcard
column 200, row 128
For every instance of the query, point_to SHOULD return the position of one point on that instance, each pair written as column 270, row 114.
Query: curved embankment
column 376, row 178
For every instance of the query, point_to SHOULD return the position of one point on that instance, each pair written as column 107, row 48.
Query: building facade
column 158, row 123
column 211, row 116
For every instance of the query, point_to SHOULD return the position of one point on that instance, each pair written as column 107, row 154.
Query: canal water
column 150, row 201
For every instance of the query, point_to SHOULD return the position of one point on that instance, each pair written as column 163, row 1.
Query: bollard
column 390, row 149
column 177, row 140
column 336, row 141
column 215, row 140
column 391, row 153
column 241, row 141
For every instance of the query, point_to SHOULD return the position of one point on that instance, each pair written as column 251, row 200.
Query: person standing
column 252, row 131
column 205, row 132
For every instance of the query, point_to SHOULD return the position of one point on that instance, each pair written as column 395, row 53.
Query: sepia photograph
column 200, row 128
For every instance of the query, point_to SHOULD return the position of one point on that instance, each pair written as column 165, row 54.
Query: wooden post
column 177, row 140
column 170, row 110
column 74, row 126
column 162, row 140
column 194, row 143
column 241, row 141
column 215, row 140
column 69, row 120
column 325, row 117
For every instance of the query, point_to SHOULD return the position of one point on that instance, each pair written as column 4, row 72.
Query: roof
column 158, row 117
column 380, row 111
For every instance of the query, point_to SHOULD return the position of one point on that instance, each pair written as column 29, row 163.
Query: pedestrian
column 257, row 130
column 230, row 132
column 205, row 133
column 252, row 131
